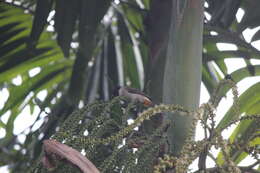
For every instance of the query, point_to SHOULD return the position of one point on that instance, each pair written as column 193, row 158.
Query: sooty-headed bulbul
column 133, row 95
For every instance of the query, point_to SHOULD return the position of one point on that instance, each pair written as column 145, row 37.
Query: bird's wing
column 136, row 91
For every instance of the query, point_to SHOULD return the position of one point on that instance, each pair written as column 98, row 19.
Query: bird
column 134, row 95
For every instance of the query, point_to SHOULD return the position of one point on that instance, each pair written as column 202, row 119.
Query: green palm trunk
column 182, row 76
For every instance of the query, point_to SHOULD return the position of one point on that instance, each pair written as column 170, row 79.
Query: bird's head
column 116, row 91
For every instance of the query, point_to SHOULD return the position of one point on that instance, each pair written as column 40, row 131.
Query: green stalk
column 182, row 75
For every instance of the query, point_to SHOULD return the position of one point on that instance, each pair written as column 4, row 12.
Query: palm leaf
column 17, row 59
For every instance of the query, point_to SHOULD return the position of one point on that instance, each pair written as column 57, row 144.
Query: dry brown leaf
column 53, row 148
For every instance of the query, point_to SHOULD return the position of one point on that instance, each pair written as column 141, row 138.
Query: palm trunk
column 182, row 75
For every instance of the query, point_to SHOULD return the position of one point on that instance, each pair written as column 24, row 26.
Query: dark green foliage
column 101, row 122
column 43, row 8
column 104, row 40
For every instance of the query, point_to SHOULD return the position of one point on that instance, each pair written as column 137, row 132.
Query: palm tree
column 83, row 49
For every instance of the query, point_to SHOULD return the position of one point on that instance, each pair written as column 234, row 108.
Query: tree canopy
column 77, row 52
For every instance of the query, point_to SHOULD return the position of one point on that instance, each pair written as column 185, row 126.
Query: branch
column 56, row 150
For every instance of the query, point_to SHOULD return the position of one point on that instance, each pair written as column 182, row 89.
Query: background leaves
column 83, row 48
